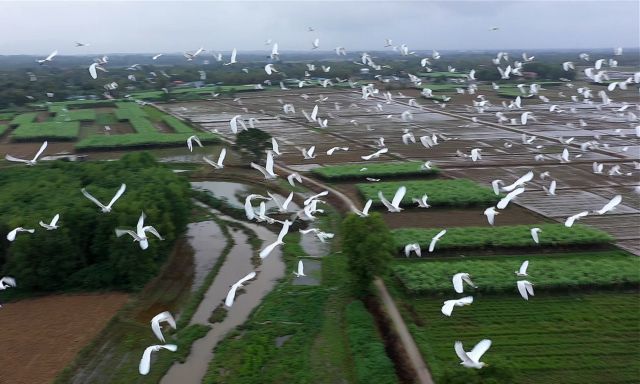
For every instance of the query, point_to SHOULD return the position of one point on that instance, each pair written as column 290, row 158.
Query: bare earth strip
column 42, row 336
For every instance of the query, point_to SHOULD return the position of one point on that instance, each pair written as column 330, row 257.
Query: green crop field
column 24, row 118
column 547, row 272
column 139, row 140
column 176, row 124
column 3, row 128
column 465, row 238
column 76, row 115
column 7, row 115
column 46, row 131
column 568, row 339
column 354, row 171
column 452, row 193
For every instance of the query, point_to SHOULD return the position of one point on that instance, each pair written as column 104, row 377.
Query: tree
column 368, row 244
column 252, row 143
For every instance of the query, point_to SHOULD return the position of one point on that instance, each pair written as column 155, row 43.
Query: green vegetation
column 3, row 128
column 128, row 111
column 142, row 125
column 576, row 339
column 7, row 115
column 353, row 171
column 252, row 143
column 453, row 193
column 75, row 115
column 368, row 245
column 502, row 237
column 84, row 253
column 371, row 361
column 46, row 131
column 176, row 124
column 24, row 118
column 441, row 75
column 140, row 140
column 548, row 272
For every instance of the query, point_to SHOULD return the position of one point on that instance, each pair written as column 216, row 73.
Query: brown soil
column 43, row 116
column 41, row 336
column 27, row 150
column 162, row 127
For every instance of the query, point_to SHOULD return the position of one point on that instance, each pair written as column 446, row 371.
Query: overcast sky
column 28, row 27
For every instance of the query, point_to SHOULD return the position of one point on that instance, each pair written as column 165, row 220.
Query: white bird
column 564, row 157
column 495, row 184
column 52, row 225
column 105, row 208
column 610, row 206
column 460, row 278
column 300, row 271
column 502, row 204
column 7, row 282
column 32, row 161
column 475, row 154
column 92, row 71
column 228, row 301
column 48, row 58
column 283, row 232
column 415, row 247
column 552, row 188
column 375, row 155
column 597, row 168
column 365, row 210
column 525, row 288
column 218, row 164
column 571, row 219
column 422, row 202
column 435, row 239
column 491, row 214
column 523, row 179
column 140, row 234
column 315, row 44
column 534, row 234
column 159, row 318
column 145, row 362
column 332, row 150
column 472, row 359
column 11, row 236
column 308, row 154
column 233, row 123
column 523, row 267
column 267, row 170
column 525, row 116
column 274, row 52
column 282, row 207
column 269, row 69
column 294, row 176
column 155, row 57
column 394, row 206
column 190, row 141
column 248, row 208
column 275, row 147
column 447, row 307
column 233, row 57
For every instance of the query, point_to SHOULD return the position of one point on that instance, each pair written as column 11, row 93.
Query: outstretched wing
column 152, row 231
column 123, row 187
column 384, row 201
column 231, row 295
column 365, row 210
column 457, row 282
column 524, row 266
column 223, row 153
column 462, row 355
column 55, row 219
column 522, row 289
column 479, row 350
column 11, row 158
column 447, row 308
column 611, row 204
column 42, row 148
column 399, row 196
column 145, row 362
column 120, row 232
column 88, row 196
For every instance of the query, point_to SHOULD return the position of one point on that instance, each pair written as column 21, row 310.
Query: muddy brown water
column 208, row 241
column 237, row 265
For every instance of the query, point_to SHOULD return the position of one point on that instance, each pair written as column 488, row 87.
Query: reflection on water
column 207, row 240
column 236, row 266
column 235, row 194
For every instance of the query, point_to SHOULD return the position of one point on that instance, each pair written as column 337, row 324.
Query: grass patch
column 66, row 131
column 548, row 272
column 3, row 128
column 372, row 364
column 140, row 140
column 176, row 124
column 24, row 118
column 466, row 238
column 353, row 171
column 452, row 193
column 575, row 339
column 142, row 125
column 75, row 115
column 7, row 115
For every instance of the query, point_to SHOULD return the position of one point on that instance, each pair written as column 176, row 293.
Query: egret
column 365, row 210
column 52, row 225
column 267, row 170
column 525, row 288
column 11, row 236
column 48, row 58
column 145, row 362
column 460, row 278
column 232, row 292
column 159, row 318
column 523, row 269
column 570, row 220
column 415, row 247
column 283, row 232
column 610, row 206
column 32, row 161
column 472, row 359
column 491, row 214
column 190, row 141
column 300, row 271
column 447, row 307
column 435, row 239
column 105, row 208
column 394, row 206
column 422, row 202
column 218, row 164
column 534, row 234
column 140, row 234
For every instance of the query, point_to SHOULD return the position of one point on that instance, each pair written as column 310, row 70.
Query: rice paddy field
column 363, row 170
column 570, row 339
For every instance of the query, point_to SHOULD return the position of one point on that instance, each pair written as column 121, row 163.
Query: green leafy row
column 49, row 131
column 139, row 139
column 465, row 238
column 453, row 193
column 176, row 124
column 604, row 269
column 360, row 171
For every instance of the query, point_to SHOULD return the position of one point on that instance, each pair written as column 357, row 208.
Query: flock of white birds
column 310, row 209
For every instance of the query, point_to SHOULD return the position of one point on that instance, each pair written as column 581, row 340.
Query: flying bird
column 267, row 170
column 534, row 234
column 435, row 239
column 232, row 292
column 7, row 282
column 472, row 359
column 523, row 269
column 460, row 278
column 525, row 288
column 145, row 362
column 610, row 206
column 52, row 225
column 32, row 161
column 571, row 219
column 300, row 271
column 447, row 307
column 191, row 140
column 48, row 58
column 491, row 214
column 365, row 210
column 105, row 208
column 415, row 247
column 140, row 234
column 394, row 206
column 11, row 236
column 159, row 318
column 283, row 232
column 218, row 164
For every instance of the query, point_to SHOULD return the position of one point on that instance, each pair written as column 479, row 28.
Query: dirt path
column 422, row 372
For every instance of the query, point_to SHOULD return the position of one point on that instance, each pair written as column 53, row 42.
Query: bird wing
column 140, row 223
column 284, row 230
column 52, row 55
column 476, row 353
column 257, row 167
column 447, row 308
column 269, row 163
column 365, row 210
column 11, row 158
column 534, row 235
column 145, row 362
column 121, row 190
column 611, row 204
column 496, row 186
column 88, row 196
column 465, row 300
column 398, row 196
column 505, row 201
column 170, row 347
column 42, row 148
column 8, row 281
column 249, row 276
column 12, row 235
column 287, row 201
column 155, row 327
column 457, row 282
column 467, row 280
column 460, row 352
column 234, row 124
column 384, row 201
column 223, row 153
column 275, row 200
column 529, row 288
column 524, row 266
column 210, row 162
column 268, row 249
column 407, row 249
column 233, row 55
column 55, row 219
column 274, row 145
column 300, row 268
column 153, row 231
column 248, row 208
column 92, row 71
column 120, row 232
column 231, row 295
column 522, row 289
column 314, row 113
